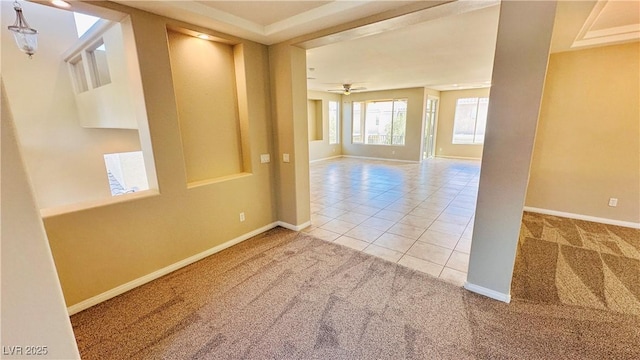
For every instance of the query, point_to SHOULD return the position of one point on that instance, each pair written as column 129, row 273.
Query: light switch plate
column 265, row 158
column 285, row 158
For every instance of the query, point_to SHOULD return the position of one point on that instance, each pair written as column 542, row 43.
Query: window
column 84, row 22
column 470, row 120
column 358, row 121
column 126, row 172
column 99, row 66
column 78, row 74
column 333, row 122
column 379, row 122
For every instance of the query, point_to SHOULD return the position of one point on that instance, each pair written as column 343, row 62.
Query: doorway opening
column 430, row 124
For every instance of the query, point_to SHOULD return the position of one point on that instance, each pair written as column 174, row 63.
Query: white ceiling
column 440, row 44
column 446, row 53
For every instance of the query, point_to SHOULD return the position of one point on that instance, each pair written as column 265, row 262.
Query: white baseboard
column 293, row 227
column 458, row 157
column 164, row 271
column 583, row 217
column 376, row 158
column 488, row 292
column 325, row 159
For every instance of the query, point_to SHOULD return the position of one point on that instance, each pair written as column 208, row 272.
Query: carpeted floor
column 574, row 262
column 287, row 295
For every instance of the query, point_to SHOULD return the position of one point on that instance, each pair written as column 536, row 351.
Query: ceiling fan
column 347, row 89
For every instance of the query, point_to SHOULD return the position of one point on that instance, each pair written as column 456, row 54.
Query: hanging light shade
column 26, row 37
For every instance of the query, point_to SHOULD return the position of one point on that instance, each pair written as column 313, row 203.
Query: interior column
column 291, row 149
column 520, row 64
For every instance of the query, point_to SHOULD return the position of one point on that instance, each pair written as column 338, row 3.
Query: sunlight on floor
column 418, row 215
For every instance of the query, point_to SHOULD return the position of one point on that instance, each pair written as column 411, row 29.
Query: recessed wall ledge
column 66, row 209
column 206, row 182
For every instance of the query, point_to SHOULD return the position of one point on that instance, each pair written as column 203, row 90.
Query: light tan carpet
column 575, row 262
column 287, row 295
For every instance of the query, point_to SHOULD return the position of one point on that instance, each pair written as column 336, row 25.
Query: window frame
column 99, row 70
column 362, row 121
column 474, row 139
column 336, row 133
column 78, row 73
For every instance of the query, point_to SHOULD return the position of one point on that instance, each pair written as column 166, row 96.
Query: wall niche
column 205, row 79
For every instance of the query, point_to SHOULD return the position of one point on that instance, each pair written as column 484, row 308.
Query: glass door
column 431, row 113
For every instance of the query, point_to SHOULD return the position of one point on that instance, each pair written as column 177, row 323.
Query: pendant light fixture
column 26, row 37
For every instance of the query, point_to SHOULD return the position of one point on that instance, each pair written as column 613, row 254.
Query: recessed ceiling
column 448, row 53
column 609, row 22
column 264, row 12
column 398, row 44
column 269, row 22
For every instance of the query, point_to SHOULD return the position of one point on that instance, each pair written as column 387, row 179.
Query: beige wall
column 290, row 117
column 414, row 133
column 314, row 113
column 205, row 87
column 321, row 149
column 101, row 248
column 33, row 309
column 64, row 161
column 446, row 116
column 588, row 139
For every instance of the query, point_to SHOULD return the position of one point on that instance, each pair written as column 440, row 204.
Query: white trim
column 293, row 227
column 323, row 159
column 73, row 309
column 583, row 217
column 376, row 158
column 488, row 292
column 458, row 157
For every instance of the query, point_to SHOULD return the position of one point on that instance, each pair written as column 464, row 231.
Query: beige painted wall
column 588, row 139
column 101, row 248
column 413, row 135
column 64, row 161
column 290, row 118
column 321, row 149
column 314, row 113
column 446, row 116
column 33, row 309
column 205, row 88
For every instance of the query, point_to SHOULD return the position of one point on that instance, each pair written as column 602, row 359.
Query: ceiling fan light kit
column 347, row 89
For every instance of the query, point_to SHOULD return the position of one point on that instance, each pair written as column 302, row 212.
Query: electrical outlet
column 242, row 217
column 613, row 202
column 285, row 158
column 265, row 158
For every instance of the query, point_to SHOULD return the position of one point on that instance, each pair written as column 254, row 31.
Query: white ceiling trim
column 618, row 30
column 219, row 15
column 609, row 39
column 311, row 15
column 611, row 35
column 207, row 15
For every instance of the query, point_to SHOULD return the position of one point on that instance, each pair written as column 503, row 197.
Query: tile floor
column 418, row 215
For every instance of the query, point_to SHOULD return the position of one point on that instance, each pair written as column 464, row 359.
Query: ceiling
column 443, row 45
